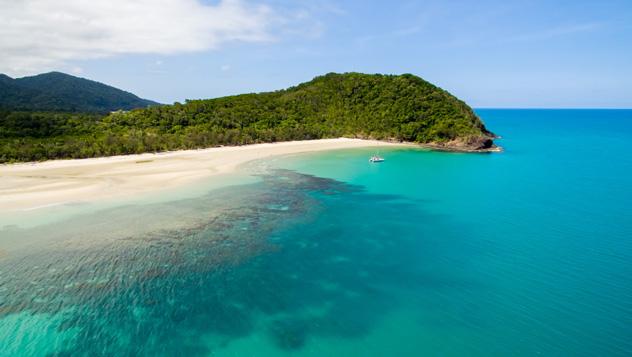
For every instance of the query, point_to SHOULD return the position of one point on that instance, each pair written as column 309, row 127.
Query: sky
column 490, row 53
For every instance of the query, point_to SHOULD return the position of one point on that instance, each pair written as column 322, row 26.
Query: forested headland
column 385, row 107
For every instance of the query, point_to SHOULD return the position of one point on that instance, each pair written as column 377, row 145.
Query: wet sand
column 31, row 186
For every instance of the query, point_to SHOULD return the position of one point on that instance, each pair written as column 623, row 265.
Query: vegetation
column 61, row 92
column 403, row 108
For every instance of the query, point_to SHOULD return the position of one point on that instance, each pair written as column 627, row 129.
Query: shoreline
column 448, row 148
column 31, row 186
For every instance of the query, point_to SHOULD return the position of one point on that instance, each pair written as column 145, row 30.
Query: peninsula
column 396, row 108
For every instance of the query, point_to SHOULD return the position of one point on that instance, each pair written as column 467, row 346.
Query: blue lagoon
column 524, row 252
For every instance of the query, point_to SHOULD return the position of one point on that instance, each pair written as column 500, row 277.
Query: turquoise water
column 520, row 253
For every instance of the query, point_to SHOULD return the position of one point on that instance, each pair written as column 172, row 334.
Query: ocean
column 525, row 252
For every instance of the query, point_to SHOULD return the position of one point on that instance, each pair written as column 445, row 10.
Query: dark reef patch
column 297, row 255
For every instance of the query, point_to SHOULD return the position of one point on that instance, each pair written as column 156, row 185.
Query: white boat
column 376, row 158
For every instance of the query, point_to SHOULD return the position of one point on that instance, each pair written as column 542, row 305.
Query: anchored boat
column 376, row 158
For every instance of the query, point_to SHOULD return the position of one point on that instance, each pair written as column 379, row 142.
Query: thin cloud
column 37, row 35
column 403, row 32
column 408, row 31
column 489, row 38
column 555, row 32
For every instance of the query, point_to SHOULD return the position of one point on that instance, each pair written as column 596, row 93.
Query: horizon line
column 554, row 108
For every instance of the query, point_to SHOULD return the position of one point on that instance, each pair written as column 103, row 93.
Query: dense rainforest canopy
column 388, row 107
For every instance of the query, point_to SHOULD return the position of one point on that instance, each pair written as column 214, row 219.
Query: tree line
column 403, row 107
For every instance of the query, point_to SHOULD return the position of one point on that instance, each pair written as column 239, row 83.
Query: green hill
column 61, row 92
column 392, row 107
column 385, row 107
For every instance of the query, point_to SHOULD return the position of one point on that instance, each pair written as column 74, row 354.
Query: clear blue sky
column 489, row 53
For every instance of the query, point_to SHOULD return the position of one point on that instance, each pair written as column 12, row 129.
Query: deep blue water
column 520, row 253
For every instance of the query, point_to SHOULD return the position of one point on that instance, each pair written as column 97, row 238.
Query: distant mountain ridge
column 60, row 92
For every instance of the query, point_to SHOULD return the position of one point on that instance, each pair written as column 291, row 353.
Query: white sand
column 35, row 185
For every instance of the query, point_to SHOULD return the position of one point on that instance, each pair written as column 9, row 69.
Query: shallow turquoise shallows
column 521, row 253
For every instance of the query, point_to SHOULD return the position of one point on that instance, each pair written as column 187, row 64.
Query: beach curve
column 29, row 186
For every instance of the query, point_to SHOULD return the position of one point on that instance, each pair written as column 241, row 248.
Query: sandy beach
column 30, row 186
